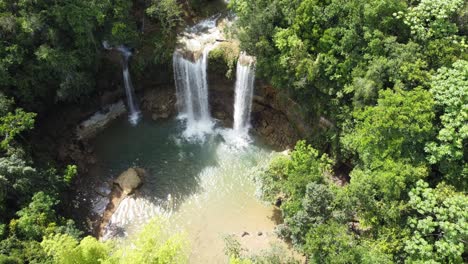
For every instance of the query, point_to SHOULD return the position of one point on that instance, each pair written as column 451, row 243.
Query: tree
column 450, row 90
column 168, row 15
column 290, row 175
column 333, row 243
column 15, row 179
column 380, row 195
column 67, row 250
column 438, row 223
column 37, row 219
column 150, row 245
column 316, row 208
column 432, row 19
column 391, row 77
column 153, row 245
column 396, row 128
column 167, row 12
column 13, row 124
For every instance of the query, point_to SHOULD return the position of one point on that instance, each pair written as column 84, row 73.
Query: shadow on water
column 171, row 162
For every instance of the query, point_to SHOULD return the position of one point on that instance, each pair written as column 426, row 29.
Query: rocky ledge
column 124, row 185
column 90, row 127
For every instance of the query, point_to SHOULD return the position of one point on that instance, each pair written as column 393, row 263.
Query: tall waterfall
column 190, row 62
column 192, row 93
column 134, row 111
column 245, row 76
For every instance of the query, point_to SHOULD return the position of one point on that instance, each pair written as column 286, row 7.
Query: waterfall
column 245, row 76
column 134, row 112
column 190, row 62
column 192, row 93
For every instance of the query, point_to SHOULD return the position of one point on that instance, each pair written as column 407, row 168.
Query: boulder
column 130, row 180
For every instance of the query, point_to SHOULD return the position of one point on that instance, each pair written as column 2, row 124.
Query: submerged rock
column 130, row 180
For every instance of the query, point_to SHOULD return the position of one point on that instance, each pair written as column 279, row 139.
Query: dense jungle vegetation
column 50, row 52
column 391, row 76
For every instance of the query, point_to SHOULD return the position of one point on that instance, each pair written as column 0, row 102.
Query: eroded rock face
column 130, row 180
column 160, row 103
column 270, row 117
column 90, row 127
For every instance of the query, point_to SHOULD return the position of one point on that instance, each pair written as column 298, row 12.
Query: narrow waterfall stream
column 134, row 111
column 245, row 77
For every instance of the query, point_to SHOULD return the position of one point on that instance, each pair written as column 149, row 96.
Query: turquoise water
column 172, row 163
column 204, row 189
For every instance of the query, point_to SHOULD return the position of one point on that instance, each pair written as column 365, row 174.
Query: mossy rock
column 223, row 58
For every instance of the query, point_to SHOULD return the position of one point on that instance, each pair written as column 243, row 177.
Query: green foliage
column 70, row 172
column 20, row 251
column 316, row 207
column 8, row 260
column 15, row 175
column 49, row 49
column 232, row 247
column 276, row 254
column 334, row 243
column 37, row 219
column 380, row 195
column 150, row 245
column 65, row 249
column 6, row 104
column 450, row 90
column 439, row 225
column 205, row 8
column 290, row 175
column 305, row 166
column 168, row 13
column 396, row 128
column 223, row 58
column 331, row 243
column 300, row 178
column 13, row 124
column 257, row 22
column 431, row 18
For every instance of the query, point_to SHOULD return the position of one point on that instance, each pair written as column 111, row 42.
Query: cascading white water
column 190, row 62
column 245, row 77
column 238, row 137
column 192, row 93
column 134, row 112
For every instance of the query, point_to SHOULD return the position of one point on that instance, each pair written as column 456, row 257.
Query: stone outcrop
column 130, row 180
column 127, row 183
column 90, row 127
